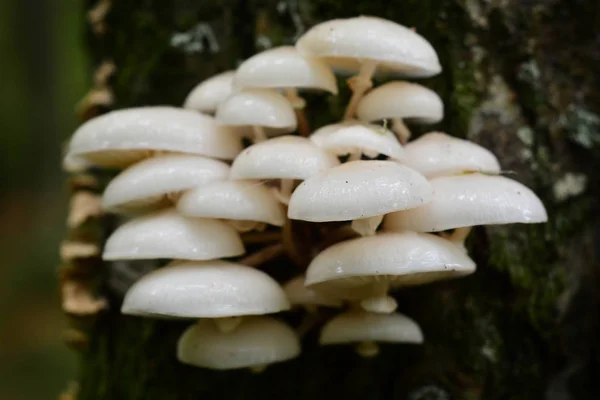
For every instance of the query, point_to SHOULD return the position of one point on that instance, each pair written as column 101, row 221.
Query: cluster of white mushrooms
column 188, row 204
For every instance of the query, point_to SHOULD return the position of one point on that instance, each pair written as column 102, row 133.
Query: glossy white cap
column 234, row 200
column 123, row 137
column 298, row 294
column 285, row 157
column 151, row 182
column 168, row 234
column 318, row 136
column 437, row 154
column 470, row 200
column 403, row 100
column 256, row 342
column 370, row 140
column 204, row 289
column 284, row 67
column 347, row 42
column 210, row 93
column 358, row 189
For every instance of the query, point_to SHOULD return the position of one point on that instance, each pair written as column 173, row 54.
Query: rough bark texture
column 521, row 78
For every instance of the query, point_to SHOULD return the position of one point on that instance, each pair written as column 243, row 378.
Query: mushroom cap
column 347, row 42
column 204, row 289
column 401, row 100
column 120, row 138
column 298, row 294
column 358, row 189
column 360, row 326
column 318, row 136
column 168, row 234
column 237, row 200
column 370, row 140
column 353, row 268
column 208, row 94
column 284, row 67
column 148, row 182
column 436, row 153
column 285, row 157
column 258, row 107
column 469, row 200
column 256, row 341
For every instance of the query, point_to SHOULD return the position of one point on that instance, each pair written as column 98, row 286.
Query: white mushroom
column 215, row 289
column 246, row 204
column 368, row 328
column 370, row 140
column 287, row 158
column 364, row 269
column 362, row 191
column 256, row 343
column 168, row 234
column 436, row 154
column 210, row 93
column 367, row 44
column 463, row 201
column 398, row 101
column 299, row 295
column 258, row 108
column 318, row 136
column 160, row 180
column 123, row 137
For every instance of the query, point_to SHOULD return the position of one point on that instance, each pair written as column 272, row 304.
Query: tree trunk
column 521, row 78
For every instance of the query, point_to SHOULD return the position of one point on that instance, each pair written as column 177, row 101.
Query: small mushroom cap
column 237, row 200
column 469, row 200
column 285, row 157
column 123, row 137
column 353, row 268
column 256, row 341
column 370, row 140
column 394, row 47
column 360, row 326
column 168, row 234
column 258, row 107
column 204, row 289
column 436, row 154
column 208, row 94
column 358, row 189
column 148, row 182
column 401, row 100
column 298, row 294
column 284, row 67
column 318, row 136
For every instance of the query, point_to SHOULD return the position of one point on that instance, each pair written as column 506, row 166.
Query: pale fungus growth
column 159, row 181
column 366, row 268
column 300, row 295
column 259, row 109
column 399, row 101
column 368, row 140
column 463, row 201
column 123, row 137
column 361, row 191
column 437, row 154
column 256, row 343
column 366, row 45
column 366, row 329
column 318, row 136
column 210, row 93
column 246, row 205
column 287, row 158
column 168, row 234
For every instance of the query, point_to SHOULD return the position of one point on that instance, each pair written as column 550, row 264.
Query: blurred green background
column 43, row 73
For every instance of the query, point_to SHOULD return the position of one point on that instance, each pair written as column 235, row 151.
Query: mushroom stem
column 227, row 324
column 284, row 193
column 354, row 156
column 263, row 255
column 367, row 349
column 244, row 226
column 401, row 130
column 298, row 103
column 261, row 237
column 257, row 369
column 367, row 226
column 259, row 134
column 460, row 235
column 308, row 322
column 380, row 305
column 359, row 85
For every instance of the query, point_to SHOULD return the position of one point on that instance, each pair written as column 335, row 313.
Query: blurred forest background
column 43, row 73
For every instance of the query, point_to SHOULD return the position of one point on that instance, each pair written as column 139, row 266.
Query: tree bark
column 520, row 77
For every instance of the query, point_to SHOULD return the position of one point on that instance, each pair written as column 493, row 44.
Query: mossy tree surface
column 521, row 78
